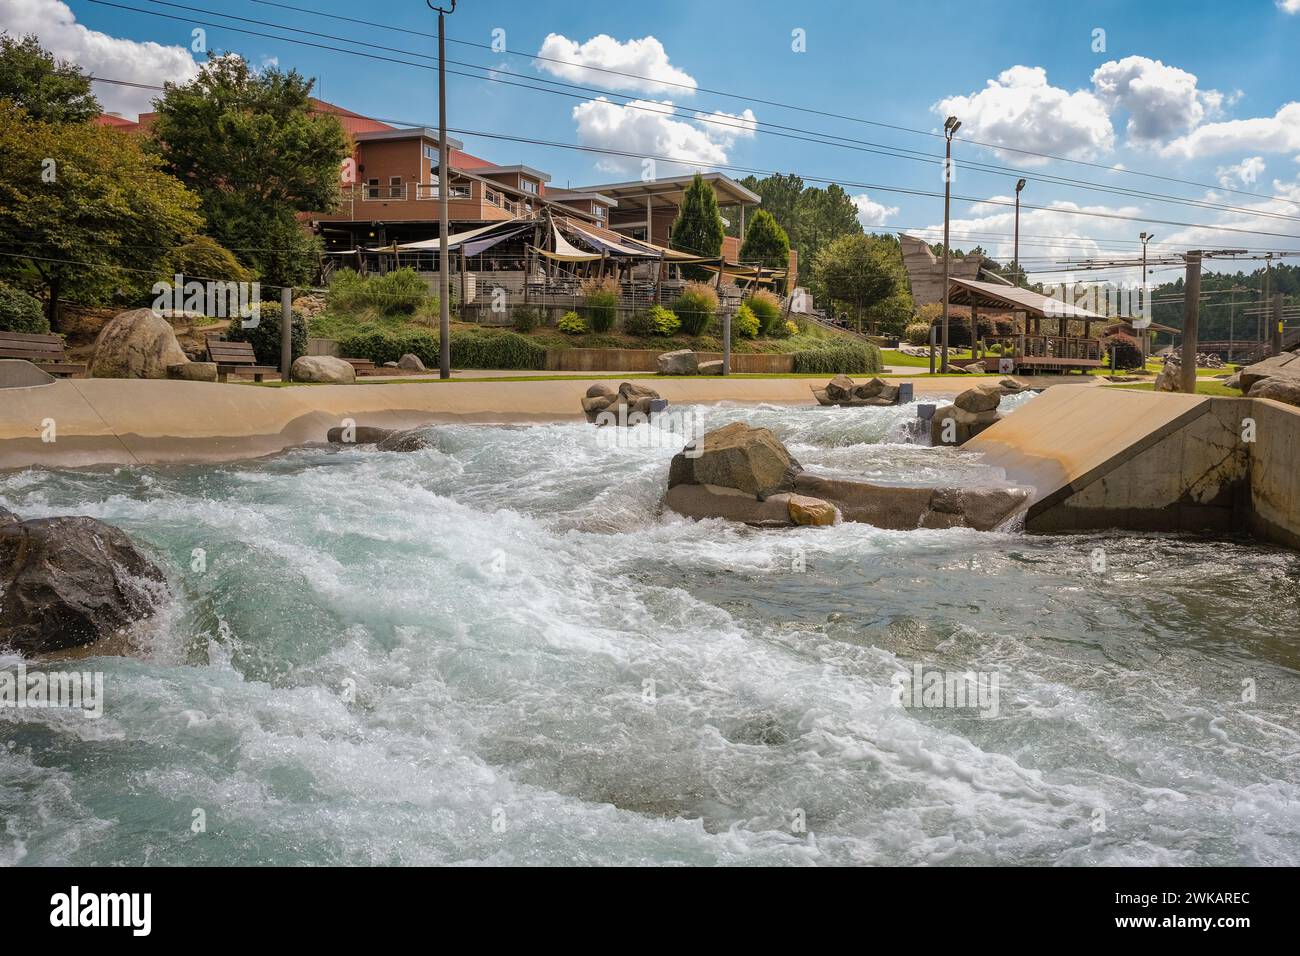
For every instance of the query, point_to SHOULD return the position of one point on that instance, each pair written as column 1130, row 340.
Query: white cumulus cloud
column 647, row 128
column 872, row 213
column 1021, row 109
column 1289, row 6
column 1279, row 133
column 100, row 54
column 1161, row 101
column 726, row 128
column 646, row 58
column 1244, row 173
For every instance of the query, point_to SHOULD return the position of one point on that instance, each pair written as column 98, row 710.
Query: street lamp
column 950, row 127
column 444, row 264
column 1019, row 277
column 1146, row 294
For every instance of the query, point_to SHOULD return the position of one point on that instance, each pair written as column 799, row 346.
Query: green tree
column 698, row 226
column 866, row 274
column 766, row 243
column 249, row 144
column 50, row 91
column 92, row 214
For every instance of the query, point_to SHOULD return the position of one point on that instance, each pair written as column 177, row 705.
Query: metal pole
column 1232, row 321
column 1276, row 332
column 444, row 262
column 1017, row 251
column 1191, row 316
column 286, row 333
column 947, row 252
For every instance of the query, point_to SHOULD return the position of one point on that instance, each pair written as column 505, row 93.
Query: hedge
column 851, row 359
column 265, row 336
column 468, row 349
column 19, row 312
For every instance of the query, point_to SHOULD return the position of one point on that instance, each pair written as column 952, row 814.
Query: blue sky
column 1194, row 91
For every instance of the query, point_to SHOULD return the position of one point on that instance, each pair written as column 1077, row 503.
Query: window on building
column 600, row 210
column 529, row 186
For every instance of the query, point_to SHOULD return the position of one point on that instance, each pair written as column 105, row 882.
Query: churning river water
column 498, row 650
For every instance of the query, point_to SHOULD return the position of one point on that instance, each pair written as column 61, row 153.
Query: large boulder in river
column 680, row 362
column 136, row 344
column 631, row 404
column 979, row 399
column 384, row 439
column 68, row 582
column 323, row 368
column 751, row 460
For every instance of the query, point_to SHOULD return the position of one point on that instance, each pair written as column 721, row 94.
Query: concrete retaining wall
column 643, row 360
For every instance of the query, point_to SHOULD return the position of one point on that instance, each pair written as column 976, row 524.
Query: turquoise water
column 499, row 651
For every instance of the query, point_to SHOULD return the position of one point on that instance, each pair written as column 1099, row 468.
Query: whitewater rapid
column 498, row 650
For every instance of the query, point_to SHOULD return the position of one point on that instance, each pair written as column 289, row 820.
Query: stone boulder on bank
column 136, row 344
column 1283, row 365
column 1280, row 388
column 680, row 362
column 69, row 582
column 324, row 369
column 410, row 362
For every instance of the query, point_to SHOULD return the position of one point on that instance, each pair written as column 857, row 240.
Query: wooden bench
column 236, row 357
column 43, row 351
column 361, row 366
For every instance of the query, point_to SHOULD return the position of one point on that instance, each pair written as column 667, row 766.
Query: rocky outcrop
column 1280, row 388
column 1282, row 365
column 680, row 362
column 630, row 404
column 324, row 369
column 842, row 390
column 384, row 439
column 971, row 412
column 750, row 460
column 68, row 582
column 136, row 344
column 193, row 372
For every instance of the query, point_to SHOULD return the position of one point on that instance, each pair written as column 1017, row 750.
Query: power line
column 751, row 99
column 813, row 136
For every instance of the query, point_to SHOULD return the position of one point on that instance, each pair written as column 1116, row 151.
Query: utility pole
column 950, row 126
column 444, row 187
column 1146, row 298
column 1268, row 276
column 1020, row 277
column 1275, row 339
column 1191, row 317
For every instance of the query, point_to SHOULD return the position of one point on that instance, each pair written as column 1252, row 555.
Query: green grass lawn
column 894, row 357
column 1202, row 388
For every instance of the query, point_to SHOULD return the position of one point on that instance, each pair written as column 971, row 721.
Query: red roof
column 352, row 122
column 117, row 122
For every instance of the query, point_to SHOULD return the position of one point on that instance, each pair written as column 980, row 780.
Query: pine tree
column 766, row 243
column 698, row 227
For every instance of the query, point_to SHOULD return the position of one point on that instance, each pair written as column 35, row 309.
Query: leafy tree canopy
column 49, row 90
column 866, row 274
column 811, row 216
column 94, row 214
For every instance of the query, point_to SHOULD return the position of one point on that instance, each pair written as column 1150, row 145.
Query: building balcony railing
column 372, row 193
column 501, row 202
column 431, row 191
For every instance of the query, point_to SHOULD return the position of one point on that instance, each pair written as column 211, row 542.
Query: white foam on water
column 500, row 650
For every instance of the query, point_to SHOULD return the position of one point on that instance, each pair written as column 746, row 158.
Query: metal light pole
column 950, row 126
column 444, row 263
column 1146, row 294
column 1020, row 278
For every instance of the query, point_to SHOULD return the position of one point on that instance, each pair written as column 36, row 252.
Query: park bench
column 43, row 351
column 361, row 366
column 236, row 357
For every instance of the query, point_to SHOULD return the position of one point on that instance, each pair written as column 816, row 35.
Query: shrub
column 664, row 322
column 19, row 312
column 571, row 324
column 1128, row 350
column 832, row 360
column 600, row 298
column 767, row 308
column 917, row 333
column 469, row 349
column 639, row 324
column 783, row 330
column 400, row 292
column 265, row 335
column 696, row 307
column 204, row 258
column 525, row 320
column 745, row 322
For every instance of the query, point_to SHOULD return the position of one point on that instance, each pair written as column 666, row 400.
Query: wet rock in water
column 384, row 439
column 680, row 362
column 971, row 412
column 714, row 501
column 136, row 344
column 811, row 511
column 411, row 362
column 901, row 508
column 630, row 405
column 1279, row 388
column 68, row 582
column 978, row 399
column 323, row 369
column 840, row 389
column 751, row 460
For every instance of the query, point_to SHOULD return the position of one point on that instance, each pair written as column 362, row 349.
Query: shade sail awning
column 565, row 251
column 611, row 243
column 510, row 226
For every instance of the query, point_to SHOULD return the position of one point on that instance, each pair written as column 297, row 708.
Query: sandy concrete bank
column 122, row 421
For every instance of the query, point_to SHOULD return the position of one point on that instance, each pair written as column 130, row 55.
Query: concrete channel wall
column 1108, row 458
